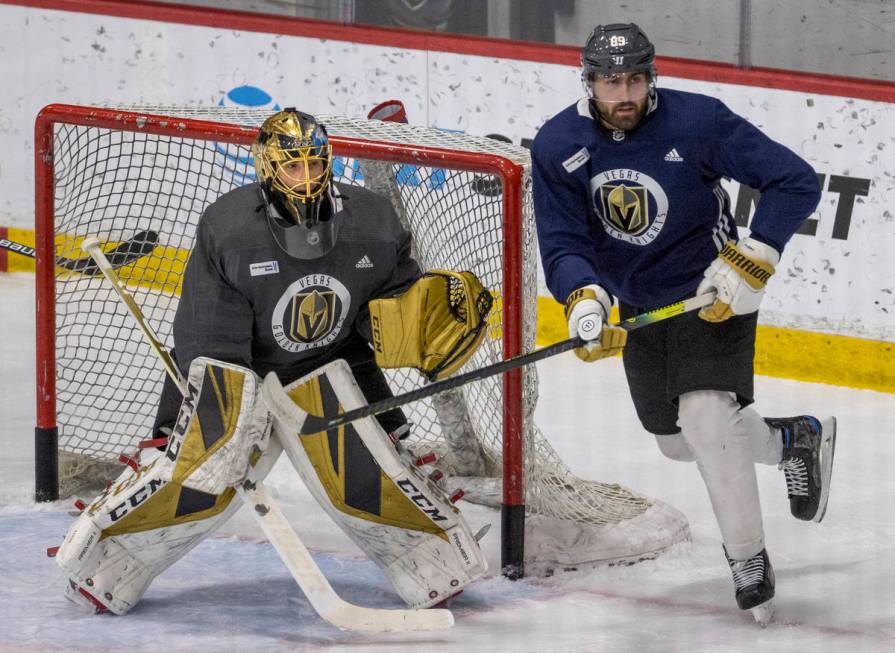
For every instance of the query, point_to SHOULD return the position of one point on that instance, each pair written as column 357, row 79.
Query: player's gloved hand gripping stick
column 587, row 311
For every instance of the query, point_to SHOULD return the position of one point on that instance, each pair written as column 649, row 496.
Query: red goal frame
column 511, row 174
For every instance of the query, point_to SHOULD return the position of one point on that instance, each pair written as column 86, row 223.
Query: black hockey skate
column 808, row 447
column 753, row 580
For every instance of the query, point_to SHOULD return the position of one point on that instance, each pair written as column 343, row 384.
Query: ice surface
column 835, row 580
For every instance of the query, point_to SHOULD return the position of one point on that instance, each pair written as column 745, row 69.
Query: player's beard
column 622, row 115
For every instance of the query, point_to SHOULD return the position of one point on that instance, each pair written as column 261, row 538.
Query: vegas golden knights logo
column 631, row 205
column 626, row 207
column 313, row 314
column 310, row 313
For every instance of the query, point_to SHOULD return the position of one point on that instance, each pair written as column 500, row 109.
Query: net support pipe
column 512, row 535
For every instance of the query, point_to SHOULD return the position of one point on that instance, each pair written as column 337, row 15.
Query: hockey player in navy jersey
column 629, row 205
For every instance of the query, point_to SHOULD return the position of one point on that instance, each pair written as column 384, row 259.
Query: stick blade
column 126, row 252
column 327, row 603
column 348, row 616
column 130, row 250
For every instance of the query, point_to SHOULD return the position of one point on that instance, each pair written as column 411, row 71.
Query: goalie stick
column 323, row 598
column 126, row 252
column 317, row 423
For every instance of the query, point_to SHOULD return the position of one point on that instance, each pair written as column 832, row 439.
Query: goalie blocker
column 153, row 515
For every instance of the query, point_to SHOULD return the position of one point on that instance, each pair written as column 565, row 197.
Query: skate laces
column 747, row 572
column 796, row 473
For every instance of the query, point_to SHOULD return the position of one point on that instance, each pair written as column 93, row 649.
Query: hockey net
column 117, row 172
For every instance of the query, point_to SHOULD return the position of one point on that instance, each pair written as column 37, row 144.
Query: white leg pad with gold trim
column 399, row 518
column 152, row 516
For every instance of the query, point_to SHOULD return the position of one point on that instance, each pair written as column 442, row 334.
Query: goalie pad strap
column 435, row 325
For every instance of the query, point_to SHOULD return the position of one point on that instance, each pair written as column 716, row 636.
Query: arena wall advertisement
column 836, row 282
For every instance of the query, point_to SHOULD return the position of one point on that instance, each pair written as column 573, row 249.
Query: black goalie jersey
column 246, row 301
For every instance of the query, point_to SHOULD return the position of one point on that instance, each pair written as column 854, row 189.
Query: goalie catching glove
column 587, row 310
column 435, row 325
column 738, row 276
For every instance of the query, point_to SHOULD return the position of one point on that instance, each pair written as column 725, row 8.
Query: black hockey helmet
column 615, row 49
column 300, row 208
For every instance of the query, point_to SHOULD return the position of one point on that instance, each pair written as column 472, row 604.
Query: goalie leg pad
column 398, row 517
column 152, row 516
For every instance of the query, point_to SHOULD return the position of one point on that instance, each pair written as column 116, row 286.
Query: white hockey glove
column 738, row 276
column 587, row 310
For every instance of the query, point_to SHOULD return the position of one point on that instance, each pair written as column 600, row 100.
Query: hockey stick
column 316, row 423
column 323, row 598
column 125, row 253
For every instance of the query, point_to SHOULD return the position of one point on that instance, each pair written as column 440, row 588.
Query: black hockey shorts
column 683, row 354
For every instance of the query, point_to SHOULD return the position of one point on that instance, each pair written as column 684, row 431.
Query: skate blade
column 763, row 613
column 827, row 450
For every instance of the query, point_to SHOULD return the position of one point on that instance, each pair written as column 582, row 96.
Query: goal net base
column 568, row 543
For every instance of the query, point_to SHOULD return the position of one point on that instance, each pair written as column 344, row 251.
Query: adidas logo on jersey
column 365, row 262
column 673, row 155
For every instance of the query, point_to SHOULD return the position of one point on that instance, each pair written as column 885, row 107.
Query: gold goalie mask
column 294, row 167
column 436, row 325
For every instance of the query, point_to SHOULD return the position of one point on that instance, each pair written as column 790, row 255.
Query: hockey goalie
column 310, row 285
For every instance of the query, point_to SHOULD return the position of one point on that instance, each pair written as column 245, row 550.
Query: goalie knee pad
column 153, row 515
column 397, row 516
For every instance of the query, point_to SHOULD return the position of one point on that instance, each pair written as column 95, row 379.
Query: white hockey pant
column 726, row 441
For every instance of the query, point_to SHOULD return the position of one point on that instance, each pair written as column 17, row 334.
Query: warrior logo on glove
column 738, row 276
column 435, row 325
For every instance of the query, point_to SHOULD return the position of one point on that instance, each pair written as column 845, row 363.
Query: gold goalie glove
column 435, row 325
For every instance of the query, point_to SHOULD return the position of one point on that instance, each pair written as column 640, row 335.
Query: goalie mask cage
column 116, row 172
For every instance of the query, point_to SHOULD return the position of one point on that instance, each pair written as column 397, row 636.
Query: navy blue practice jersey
column 644, row 215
